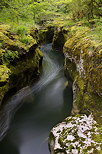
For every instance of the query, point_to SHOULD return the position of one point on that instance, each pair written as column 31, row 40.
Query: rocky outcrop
column 20, row 61
column 43, row 34
column 59, row 38
column 75, row 135
column 82, row 63
column 83, row 55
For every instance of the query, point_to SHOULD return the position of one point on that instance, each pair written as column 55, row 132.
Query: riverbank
column 20, row 60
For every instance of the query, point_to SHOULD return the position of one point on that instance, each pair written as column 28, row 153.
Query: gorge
column 82, row 62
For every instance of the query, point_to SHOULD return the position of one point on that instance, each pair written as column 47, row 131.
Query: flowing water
column 38, row 108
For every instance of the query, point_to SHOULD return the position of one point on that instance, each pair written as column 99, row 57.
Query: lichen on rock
column 76, row 135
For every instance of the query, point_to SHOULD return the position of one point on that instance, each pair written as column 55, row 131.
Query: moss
column 3, row 91
column 2, row 52
column 10, row 56
column 4, row 79
column 4, row 27
column 57, row 151
column 19, row 58
column 81, row 83
column 98, row 138
column 4, row 73
column 46, row 34
column 85, row 52
column 59, row 39
column 28, row 62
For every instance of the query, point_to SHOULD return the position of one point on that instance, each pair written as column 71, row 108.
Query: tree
column 85, row 8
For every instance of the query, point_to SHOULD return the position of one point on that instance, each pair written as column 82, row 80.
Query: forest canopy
column 39, row 11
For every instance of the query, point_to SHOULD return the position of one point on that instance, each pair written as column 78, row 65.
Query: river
column 28, row 117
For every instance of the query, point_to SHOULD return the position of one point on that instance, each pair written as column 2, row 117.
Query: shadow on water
column 7, row 147
column 44, row 105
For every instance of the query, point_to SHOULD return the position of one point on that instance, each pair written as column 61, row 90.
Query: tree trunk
column 91, row 9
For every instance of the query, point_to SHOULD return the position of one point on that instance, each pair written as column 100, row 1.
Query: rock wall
column 83, row 55
column 59, row 38
column 83, row 63
column 43, row 34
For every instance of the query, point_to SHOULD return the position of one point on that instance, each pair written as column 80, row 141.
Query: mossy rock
column 20, row 61
column 4, row 74
column 3, row 91
column 83, row 63
column 4, row 80
column 59, row 39
column 76, row 134
column 14, row 46
column 4, row 27
column 46, row 34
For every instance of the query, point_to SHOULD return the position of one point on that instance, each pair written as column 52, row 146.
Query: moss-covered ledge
column 20, row 60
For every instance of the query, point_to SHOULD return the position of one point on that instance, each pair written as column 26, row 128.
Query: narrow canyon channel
column 28, row 117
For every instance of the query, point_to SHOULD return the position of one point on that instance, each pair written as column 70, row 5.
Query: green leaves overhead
column 38, row 10
column 86, row 8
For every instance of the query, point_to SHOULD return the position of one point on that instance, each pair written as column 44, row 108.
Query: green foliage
column 0, row 44
column 10, row 55
column 25, row 39
column 25, row 13
column 40, row 11
column 20, row 30
column 69, row 23
column 97, row 30
column 4, row 73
